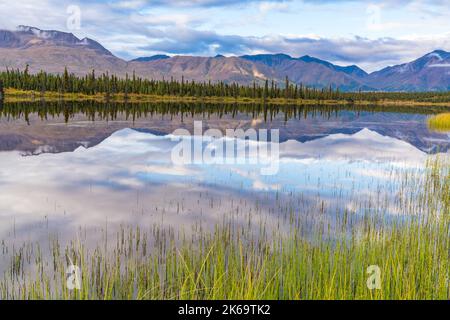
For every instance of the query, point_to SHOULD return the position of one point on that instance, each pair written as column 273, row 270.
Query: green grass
column 392, row 99
column 236, row 262
column 440, row 122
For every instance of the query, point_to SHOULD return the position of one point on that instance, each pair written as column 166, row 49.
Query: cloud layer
column 393, row 31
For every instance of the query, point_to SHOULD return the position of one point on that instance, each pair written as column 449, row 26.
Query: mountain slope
column 312, row 71
column 152, row 58
column 350, row 70
column 52, row 51
column 428, row 73
column 202, row 69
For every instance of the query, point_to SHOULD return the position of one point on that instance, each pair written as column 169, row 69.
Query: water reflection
column 129, row 178
column 57, row 127
column 61, row 171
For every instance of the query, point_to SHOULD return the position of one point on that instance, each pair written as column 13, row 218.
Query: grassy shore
column 13, row 95
column 440, row 122
column 234, row 262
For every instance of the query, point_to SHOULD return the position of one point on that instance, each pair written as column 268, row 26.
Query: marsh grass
column 440, row 122
column 384, row 99
column 236, row 262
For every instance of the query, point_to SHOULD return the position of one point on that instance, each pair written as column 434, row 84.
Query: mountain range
column 52, row 51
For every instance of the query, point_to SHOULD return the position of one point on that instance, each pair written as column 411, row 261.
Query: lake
column 71, row 169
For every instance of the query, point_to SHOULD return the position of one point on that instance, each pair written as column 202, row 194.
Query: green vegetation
column 236, row 262
column 2, row 91
column 110, row 87
column 440, row 122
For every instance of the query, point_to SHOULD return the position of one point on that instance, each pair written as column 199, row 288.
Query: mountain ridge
column 52, row 51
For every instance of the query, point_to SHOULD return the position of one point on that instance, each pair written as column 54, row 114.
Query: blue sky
column 370, row 34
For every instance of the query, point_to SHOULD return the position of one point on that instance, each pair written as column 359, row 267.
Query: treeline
column 111, row 84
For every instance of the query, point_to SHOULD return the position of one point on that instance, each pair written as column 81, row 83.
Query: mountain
column 231, row 69
column 275, row 60
column 52, row 51
column 271, row 60
column 312, row 71
column 428, row 73
column 152, row 58
column 350, row 70
column 27, row 37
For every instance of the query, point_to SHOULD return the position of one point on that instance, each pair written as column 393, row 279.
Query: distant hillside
column 428, row 73
column 152, row 58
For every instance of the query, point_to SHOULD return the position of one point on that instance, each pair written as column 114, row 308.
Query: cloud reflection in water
column 129, row 179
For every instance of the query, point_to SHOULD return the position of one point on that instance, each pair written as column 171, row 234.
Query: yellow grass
column 440, row 122
column 14, row 95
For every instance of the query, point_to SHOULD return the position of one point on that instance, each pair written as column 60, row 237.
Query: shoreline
column 13, row 95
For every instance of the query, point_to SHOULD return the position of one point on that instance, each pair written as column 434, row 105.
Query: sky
column 370, row 34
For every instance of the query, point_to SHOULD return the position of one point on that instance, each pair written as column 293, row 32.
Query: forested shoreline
column 111, row 85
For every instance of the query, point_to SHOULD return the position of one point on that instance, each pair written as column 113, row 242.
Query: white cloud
column 129, row 4
column 131, row 28
column 267, row 7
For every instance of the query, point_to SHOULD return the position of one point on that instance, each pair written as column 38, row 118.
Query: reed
column 237, row 262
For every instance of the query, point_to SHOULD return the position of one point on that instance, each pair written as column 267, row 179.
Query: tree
column 2, row 91
column 66, row 80
column 286, row 88
column 266, row 89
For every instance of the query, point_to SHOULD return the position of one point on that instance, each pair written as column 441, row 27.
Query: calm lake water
column 66, row 169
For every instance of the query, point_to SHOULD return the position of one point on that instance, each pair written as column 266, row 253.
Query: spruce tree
column 2, row 91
